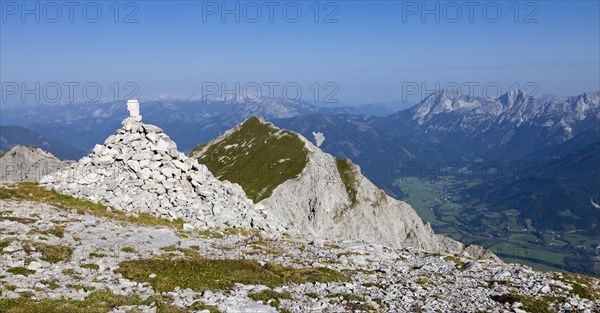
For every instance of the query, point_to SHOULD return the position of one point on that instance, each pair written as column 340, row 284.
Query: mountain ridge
column 12, row 136
column 321, row 196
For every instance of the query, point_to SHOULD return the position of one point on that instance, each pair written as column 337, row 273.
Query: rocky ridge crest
column 329, row 198
column 27, row 164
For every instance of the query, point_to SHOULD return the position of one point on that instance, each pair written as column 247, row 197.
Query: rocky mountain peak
column 27, row 164
column 448, row 93
column 512, row 97
column 514, row 108
column 443, row 101
column 139, row 169
column 315, row 194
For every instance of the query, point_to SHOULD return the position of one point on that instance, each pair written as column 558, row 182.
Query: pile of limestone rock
column 140, row 170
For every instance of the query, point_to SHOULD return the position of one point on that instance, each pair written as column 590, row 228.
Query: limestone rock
column 27, row 164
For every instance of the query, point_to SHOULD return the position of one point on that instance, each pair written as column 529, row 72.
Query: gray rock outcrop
column 27, row 164
column 317, row 203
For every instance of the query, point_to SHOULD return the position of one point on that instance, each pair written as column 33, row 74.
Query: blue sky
column 370, row 53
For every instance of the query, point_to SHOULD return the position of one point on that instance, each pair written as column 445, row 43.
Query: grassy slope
column 258, row 157
column 346, row 170
column 199, row 273
column 33, row 192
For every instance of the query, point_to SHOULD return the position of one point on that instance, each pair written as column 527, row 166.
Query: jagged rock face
column 27, row 164
column 329, row 198
column 139, row 169
column 320, row 203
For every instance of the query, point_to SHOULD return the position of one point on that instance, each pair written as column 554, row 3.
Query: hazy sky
column 367, row 52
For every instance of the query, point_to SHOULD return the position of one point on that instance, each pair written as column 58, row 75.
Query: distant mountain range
column 11, row 136
column 83, row 125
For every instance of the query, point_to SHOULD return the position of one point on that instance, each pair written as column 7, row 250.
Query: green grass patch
column 5, row 243
column 232, row 231
column 424, row 281
column 211, row 233
column 91, row 266
column 267, row 249
column 22, row 220
column 201, row 274
column 583, row 286
column 33, row 192
column 257, row 156
column 270, row 297
column 97, row 255
column 20, row 271
column 81, row 287
column 26, row 294
column 581, row 291
column 50, row 284
column 530, row 304
column 353, row 303
column 197, row 306
column 377, row 285
column 71, row 273
column 347, row 254
column 129, row 250
column 229, row 231
column 457, row 261
column 347, row 172
column 186, row 251
column 54, row 253
column 97, row 302
column 58, row 231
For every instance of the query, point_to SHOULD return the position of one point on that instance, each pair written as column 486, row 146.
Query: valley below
column 439, row 202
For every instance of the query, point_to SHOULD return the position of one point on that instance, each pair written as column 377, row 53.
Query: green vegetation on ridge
column 257, row 156
column 99, row 301
column 199, row 273
column 33, row 192
column 346, row 170
column 196, row 149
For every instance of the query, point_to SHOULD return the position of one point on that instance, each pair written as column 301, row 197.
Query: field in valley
column 438, row 202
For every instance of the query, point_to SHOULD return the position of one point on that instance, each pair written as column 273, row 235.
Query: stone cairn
column 139, row 169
